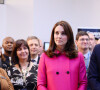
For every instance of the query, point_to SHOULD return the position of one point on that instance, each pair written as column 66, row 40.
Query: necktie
column 32, row 60
column 86, row 62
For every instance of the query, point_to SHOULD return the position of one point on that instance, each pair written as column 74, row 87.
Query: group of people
column 61, row 67
column 20, row 60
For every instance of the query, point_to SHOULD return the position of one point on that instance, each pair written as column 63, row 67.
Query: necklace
column 10, row 61
column 24, row 73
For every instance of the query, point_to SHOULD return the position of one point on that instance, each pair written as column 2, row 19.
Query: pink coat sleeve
column 82, row 74
column 41, row 78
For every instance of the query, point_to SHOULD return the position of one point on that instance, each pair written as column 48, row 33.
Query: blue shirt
column 87, row 59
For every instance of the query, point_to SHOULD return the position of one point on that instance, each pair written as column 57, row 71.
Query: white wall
column 79, row 13
column 2, row 22
column 21, row 18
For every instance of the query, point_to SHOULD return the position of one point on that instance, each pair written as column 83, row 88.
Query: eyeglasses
column 91, row 39
column 83, row 39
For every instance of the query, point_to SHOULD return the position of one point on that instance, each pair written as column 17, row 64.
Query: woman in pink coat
column 61, row 67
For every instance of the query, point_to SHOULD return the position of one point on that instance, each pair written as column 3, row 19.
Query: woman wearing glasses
column 61, row 67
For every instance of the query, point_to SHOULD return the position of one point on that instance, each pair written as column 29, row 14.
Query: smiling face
column 60, row 38
column 34, row 46
column 22, row 53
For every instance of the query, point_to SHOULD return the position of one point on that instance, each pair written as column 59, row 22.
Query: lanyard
column 24, row 74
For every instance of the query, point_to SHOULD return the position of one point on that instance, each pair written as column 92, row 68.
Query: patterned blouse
column 17, row 78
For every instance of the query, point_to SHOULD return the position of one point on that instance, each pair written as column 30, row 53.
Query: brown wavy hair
column 17, row 44
column 70, row 49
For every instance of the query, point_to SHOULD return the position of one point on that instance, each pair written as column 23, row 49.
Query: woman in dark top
column 23, row 74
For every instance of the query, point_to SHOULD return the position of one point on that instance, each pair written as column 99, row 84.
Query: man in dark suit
column 94, row 69
column 34, row 45
column 7, row 46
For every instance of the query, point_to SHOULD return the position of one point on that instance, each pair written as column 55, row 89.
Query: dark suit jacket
column 38, row 59
column 94, row 69
column 6, row 62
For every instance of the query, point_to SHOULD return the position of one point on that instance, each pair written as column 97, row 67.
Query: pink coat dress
column 61, row 73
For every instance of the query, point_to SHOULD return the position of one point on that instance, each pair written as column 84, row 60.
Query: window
column 46, row 45
column 1, row 1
